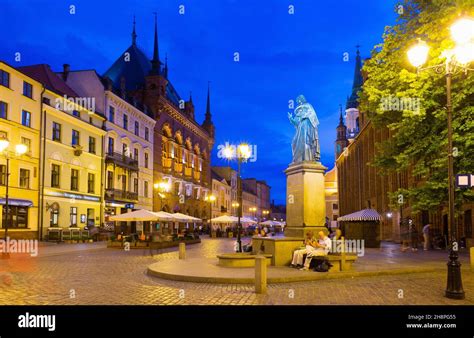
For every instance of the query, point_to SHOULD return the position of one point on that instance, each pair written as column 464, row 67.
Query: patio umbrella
column 179, row 217
column 271, row 223
column 142, row 215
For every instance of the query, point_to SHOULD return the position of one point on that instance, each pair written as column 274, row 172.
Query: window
column 47, row 101
column 110, row 179
column 111, row 114
column 75, row 138
column 27, row 89
column 56, row 132
column 24, row 178
column 76, row 113
column 73, row 216
column 17, row 216
column 4, row 78
column 91, row 183
column 335, row 206
column 147, row 133
column 55, row 175
column 137, row 128
column 135, row 154
column 146, row 160
column 125, row 121
column 92, row 145
column 53, row 220
column 26, row 118
column 135, row 185
column 90, row 217
column 3, row 174
column 27, row 143
column 110, row 149
column 3, row 110
column 74, row 179
column 145, row 188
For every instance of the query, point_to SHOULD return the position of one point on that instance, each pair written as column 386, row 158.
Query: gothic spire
column 208, row 106
column 357, row 82
column 341, row 120
column 155, row 62
column 134, row 34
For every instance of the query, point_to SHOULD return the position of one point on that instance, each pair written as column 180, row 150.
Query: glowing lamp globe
column 21, row 149
column 462, row 31
column 4, row 143
column 418, row 54
column 464, row 53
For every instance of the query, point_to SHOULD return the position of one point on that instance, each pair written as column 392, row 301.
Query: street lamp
column 456, row 60
column 242, row 154
column 20, row 149
column 235, row 205
column 162, row 188
column 265, row 213
column 210, row 198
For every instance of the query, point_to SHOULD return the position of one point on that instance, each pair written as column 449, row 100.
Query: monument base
column 306, row 201
column 300, row 232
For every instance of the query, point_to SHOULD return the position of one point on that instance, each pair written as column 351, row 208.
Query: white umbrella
column 185, row 218
column 141, row 215
column 232, row 219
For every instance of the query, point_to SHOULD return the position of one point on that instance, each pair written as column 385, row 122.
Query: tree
column 412, row 105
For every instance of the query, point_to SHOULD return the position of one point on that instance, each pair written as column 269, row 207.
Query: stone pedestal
column 306, row 203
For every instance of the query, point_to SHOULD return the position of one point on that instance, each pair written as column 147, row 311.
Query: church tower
column 207, row 124
column 352, row 105
column 341, row 140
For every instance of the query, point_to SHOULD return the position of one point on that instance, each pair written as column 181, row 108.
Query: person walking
column 426, row 237
column 413, row 236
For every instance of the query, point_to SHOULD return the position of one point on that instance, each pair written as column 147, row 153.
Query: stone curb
column 311, row 276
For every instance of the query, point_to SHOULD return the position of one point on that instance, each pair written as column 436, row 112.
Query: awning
column 17, row 202
column 362, row 215
column 142, row 215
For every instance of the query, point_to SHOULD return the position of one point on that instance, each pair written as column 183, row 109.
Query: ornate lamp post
column 235, row 205
column 210, row 198
column 242, row 154
column 20, row 149
column 456, row 59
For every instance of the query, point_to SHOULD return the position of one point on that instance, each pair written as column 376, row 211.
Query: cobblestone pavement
column 113, row 276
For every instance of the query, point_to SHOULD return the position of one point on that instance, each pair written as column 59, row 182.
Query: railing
column 122, row 160
column 121, row 194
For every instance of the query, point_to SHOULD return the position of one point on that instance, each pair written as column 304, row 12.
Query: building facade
column 181, row 146
column 20, row 123
column 128, row 169
column 262, row 192
column 222, row 192
column 332, row 198
column 72, row 151
column 230, row 175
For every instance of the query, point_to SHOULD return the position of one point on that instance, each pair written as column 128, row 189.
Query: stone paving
column 114, row 276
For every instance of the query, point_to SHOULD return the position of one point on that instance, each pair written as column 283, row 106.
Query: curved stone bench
column 240, row 260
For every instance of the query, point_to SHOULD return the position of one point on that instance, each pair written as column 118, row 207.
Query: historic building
column 20, row 123
column 230, row 175
column 331, row 196
column 262, row 192
column 71, row 142
column 352, row 105
column 361, row 186
column 128, row 168
column 221, row 190
column 181, row 146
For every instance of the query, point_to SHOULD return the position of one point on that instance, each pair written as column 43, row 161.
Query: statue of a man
column 305, row 145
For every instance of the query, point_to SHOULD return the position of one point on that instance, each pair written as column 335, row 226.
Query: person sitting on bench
column 320, row 248
column 310, row 243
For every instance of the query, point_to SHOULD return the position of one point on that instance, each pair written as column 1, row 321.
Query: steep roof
column 52, row 81
column 356, row 84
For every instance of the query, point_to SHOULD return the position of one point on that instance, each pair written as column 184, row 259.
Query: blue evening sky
column 281, row 56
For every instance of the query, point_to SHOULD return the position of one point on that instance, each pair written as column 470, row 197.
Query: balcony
column 116, row 194
column 121, row 160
